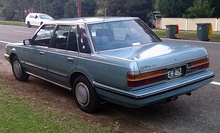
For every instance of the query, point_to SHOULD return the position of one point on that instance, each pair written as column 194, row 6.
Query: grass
column 187, row 35
column 23, row 114
column 12, row 23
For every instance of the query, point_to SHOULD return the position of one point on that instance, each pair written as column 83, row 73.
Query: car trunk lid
column 159, row 55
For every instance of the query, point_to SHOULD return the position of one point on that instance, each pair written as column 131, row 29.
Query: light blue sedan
column 116, row 59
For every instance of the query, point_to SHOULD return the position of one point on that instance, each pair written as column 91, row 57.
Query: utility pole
column 79, row 8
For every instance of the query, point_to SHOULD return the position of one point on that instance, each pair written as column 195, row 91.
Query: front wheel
column 18, row 71
column 85, row 95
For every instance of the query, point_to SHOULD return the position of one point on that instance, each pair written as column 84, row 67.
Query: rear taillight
column 6, row 50
column 146, row 78
column 198, row 65
column 160, row 75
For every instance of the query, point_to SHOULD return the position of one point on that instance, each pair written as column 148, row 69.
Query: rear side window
column 65, row 38
column 31, row 16
column 72, row 42
column 60, row 37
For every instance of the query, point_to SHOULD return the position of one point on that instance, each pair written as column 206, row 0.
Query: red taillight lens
column 198, row 65
column 6, row 50
column 146, row 78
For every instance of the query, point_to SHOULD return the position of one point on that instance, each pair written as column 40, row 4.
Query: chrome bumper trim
column 146, row 92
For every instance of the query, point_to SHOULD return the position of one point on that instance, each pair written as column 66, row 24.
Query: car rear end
column 157, row 71
column 165, row 71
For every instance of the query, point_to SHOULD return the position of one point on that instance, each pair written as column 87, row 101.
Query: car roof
column 37, row 14
column 90, row 20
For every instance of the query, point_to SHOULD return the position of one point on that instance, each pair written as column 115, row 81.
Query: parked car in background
column 116, row 59
column 36, row 19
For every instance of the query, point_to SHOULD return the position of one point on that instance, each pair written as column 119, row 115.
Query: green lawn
column 23, row 114
column 12, row 23
column 187, row 35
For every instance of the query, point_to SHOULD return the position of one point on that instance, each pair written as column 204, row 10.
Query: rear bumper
column 153, row 94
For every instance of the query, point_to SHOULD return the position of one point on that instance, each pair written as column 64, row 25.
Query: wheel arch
column 12, row 56
column 75, row 75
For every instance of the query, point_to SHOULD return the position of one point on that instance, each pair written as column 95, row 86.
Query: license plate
column 175, row 73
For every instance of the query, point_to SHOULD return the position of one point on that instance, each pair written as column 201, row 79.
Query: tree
column 70, row 9
column 89, row 8
column 201, row 9
column 173, row 8
column 216, row 5
column 8, row 10
column 57, row 9
column 135, row 8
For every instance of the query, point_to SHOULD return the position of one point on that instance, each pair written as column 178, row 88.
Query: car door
column 35, row 55
column 34, row 20
column 62, row 54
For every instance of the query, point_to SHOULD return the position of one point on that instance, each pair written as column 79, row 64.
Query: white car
column 37, row 19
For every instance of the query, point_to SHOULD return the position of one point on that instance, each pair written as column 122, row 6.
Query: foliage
column 136, row 8
column 216, row 5
column 56, row 8
column 201, row 9
column 8, row 9
column 70, row 11
column 89, row 8
column 189, row 8
column 17, row 9
column 173, row 8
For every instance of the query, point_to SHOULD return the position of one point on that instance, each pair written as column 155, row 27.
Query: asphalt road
column 15, row 33
column 199, row 113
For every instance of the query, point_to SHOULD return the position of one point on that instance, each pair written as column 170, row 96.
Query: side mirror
column 27, row 42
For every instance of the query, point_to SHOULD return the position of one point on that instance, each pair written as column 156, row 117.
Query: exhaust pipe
column 189, row 94
column 172, row 99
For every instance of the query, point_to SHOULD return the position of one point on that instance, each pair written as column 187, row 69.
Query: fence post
column 186, row 25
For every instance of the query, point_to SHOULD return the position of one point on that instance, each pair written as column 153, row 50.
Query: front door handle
column 70, row 59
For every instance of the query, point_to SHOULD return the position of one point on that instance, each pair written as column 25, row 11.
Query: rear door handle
column 70, row 59
column 41, row 53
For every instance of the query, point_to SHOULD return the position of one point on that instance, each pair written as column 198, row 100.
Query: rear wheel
column 85, row 95
column 18, row 71
column 28, row 24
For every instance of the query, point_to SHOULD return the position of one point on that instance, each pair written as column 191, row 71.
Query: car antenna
column 105, row 8
column 103, row 22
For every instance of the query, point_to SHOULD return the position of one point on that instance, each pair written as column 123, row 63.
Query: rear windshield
column 113, row 35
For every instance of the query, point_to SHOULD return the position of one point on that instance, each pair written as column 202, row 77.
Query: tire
column 85, row 96
column 28, row 24
column 18, row 71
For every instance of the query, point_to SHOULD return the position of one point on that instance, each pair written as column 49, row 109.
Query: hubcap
column 17, row 69
column 82, row 94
